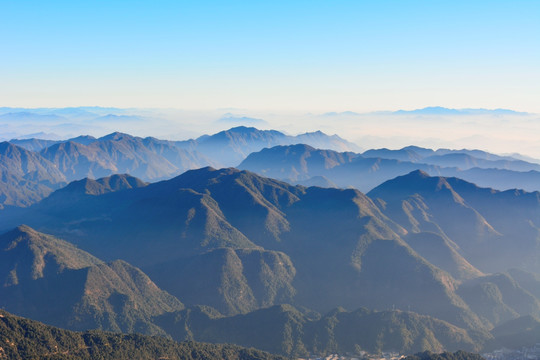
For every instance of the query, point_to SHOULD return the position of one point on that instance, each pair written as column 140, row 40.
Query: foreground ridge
column 26, row 339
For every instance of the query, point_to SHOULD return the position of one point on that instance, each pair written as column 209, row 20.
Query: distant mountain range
column 232, row 146
column 33, row 168
column 438, row 110
column 151, row 159
column 299, row 163
column 435, row 111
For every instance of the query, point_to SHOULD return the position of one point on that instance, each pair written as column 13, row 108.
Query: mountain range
column 421, row 261
column 301, row 163
column 32, row 168
column 231, row 146
column 50, row 280
column 202, row 211
column 239, row 242
column 117, row 296
column 438, row 110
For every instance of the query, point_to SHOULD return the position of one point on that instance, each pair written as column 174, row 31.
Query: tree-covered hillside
column 26, row 339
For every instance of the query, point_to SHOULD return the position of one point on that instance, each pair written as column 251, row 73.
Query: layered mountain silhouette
column 231, row 146
column 37, row 167
column 300, row 163
column 32, row 168
column 29, row 176
column 148, row 158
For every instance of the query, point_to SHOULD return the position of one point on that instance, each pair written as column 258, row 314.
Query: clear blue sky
column 282, row 55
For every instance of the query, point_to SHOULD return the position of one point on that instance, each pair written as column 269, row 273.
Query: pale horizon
column 498, row 131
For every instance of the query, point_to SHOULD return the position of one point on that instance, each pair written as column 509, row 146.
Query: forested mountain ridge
column 285, row 330
column 26, row 339
column 50, row 280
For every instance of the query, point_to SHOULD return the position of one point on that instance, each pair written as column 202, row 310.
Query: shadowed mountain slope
column 497, row 230
column 498, row 298
column 233, row 281
column 50, row 280
column 516, row 333
column 300, row 162
column 296, row 162
column 28, row 165
column 443, row 253
column 25, row 177
column 284, row 330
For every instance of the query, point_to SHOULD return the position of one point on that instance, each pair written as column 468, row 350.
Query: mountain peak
column 28, row 254
column 116, row 136
column 6, row 146
column 418, row 174
column 415, row 182
column 83, row 139
column 316, row 133
column 24, row 229
column 243, row 128
column 87, row 186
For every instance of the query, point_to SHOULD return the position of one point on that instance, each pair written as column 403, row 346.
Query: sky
column 311, row 56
